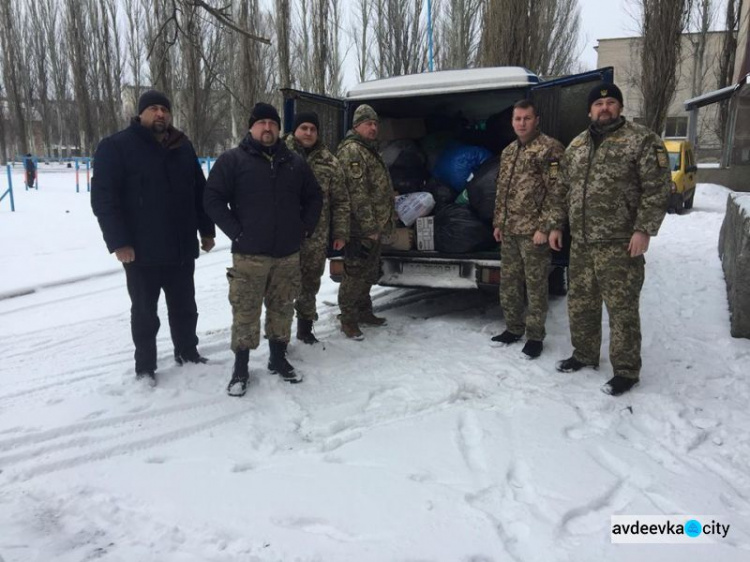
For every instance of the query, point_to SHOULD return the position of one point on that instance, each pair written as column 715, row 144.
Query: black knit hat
column 263, row 111
column 604, row 90
column 153, row 97
column 306, row 117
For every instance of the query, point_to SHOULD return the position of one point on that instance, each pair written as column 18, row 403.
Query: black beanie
column 306, row 117
column 153, row 97
column 604, row 90
column 263, row 111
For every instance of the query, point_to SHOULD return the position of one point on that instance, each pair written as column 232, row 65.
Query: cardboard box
column 397, row 129
column 401, row 240
column 426, row 234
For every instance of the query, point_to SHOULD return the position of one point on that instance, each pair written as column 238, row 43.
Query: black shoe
column 506, row 337
column 192, row 356
column 618, row 385
column 149, row 377
column 238, row 383
column 304, row 331
column 278, row 365
column 532, row 349
column 571, row 365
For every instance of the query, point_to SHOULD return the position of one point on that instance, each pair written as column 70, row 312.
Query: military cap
column 605, row 90
column 363, row 113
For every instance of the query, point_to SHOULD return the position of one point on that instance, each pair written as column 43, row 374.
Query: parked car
column 684, row 174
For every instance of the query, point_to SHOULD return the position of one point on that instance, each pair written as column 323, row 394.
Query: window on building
column 676, row 127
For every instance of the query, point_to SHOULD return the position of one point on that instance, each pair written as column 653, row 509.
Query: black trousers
column 145, row 284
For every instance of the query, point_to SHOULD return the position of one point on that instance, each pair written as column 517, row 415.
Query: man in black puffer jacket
column 266, row 200
column 147, row 193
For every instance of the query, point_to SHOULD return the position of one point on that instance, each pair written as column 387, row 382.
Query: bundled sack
column 456, row 164
column 406, row 165
column 458, row 231
column 482, row 189
column 442, row 194
column 411, row 206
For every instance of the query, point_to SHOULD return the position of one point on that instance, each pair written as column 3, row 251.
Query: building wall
column 624, row 55
column 743, row 44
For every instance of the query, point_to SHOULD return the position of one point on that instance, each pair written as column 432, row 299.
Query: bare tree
column 459, row 26
column 283, row 38
column 135, row 43
column 108, row 55
column 399, row 34
column 542, row 35
column 361, row 36
column 703, row 17
column 162, row 32
column 662, row 25
column 315, row 47
column 13, row 68
column 725, row 72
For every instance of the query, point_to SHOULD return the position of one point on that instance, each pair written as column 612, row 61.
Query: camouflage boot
column 304, row 331
column 351, row 330
column 369, row 319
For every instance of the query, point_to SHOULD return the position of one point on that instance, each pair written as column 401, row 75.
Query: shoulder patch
column 554, row 169
column 355, row 170
column 661, row 157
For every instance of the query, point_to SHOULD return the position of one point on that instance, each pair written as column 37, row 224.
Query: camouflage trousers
column 253, row 281
column 606, row 273
column 312, row 260
column 524, row 264
column 361, row 272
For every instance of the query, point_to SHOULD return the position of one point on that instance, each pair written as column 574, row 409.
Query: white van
column 479, row 101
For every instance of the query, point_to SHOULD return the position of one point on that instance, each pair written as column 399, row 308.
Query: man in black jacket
column 147, row 193
column 266, row 200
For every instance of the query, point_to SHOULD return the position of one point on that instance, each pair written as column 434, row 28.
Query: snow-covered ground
column 421, row 443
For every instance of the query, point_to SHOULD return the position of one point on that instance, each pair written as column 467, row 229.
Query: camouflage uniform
column 527, row 174
column 334, row 221
column 613, row 188
column 372, row 212
column 253, row 279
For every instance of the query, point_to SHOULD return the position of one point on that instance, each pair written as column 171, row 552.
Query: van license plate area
column 431, row 269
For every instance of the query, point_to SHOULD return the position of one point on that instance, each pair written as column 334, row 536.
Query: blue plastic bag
column 455, row 165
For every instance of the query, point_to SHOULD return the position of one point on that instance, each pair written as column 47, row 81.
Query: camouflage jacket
column 370, row 189
column 525, row 185
column 334, row 217
column 616, row 189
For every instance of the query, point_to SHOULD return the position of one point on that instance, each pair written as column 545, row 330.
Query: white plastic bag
column 411, row 206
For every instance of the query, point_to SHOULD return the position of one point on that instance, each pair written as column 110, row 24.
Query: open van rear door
column 331, row 113
column 562, row 103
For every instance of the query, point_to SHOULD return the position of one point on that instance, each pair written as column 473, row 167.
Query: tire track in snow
column 94, row 425
column 130, row 446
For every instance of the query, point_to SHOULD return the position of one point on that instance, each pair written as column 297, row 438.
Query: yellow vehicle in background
column 684, row 172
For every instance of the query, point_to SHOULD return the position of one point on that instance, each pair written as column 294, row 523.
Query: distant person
column 528, row 174
column 373, row 214
column 265, row 198
column 30, row 168
column 616, row 183
column 147, row 193
column 334, row 218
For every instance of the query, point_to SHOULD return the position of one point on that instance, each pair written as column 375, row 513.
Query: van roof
column 444, row 82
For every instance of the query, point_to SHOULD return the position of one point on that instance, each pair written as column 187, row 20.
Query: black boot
column 507, row 337
column 238, row 383
column 277, row 363
column 304, row 331
column 618, row 385
column 190, row 356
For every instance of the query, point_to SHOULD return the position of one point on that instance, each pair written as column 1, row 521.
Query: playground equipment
column 9, row 191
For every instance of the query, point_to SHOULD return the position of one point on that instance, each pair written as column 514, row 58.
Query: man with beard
column 147, row 193
column 616, row 181
column 265, row 198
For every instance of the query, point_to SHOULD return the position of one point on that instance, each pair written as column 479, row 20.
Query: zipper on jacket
column 592, row 155
column 507, row 191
